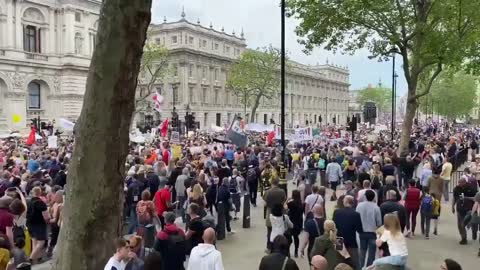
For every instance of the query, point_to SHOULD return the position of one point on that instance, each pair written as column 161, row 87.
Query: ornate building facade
column 200, row 58
column 45, row 50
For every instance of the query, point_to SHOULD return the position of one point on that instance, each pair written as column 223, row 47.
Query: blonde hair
column 392, row 224
column 197, row 191
column 330, row 230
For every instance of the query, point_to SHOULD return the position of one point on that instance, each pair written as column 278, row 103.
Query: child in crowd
column 426, row 210
column 435, row 213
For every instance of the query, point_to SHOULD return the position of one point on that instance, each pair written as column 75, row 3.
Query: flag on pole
column 158, row 101
column 236, row 135
column 31, row 138
column 164, row 128
column 270, row 137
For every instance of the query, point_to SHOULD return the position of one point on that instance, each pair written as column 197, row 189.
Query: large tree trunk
column 94, row 196
column 254, row 108
column 410, row 112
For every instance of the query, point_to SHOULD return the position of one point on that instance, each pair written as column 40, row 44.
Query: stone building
column 45, row 50
column 200, row 58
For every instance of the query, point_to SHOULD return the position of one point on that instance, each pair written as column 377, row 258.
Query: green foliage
column 428, row 34
column 154, row 68
column 380, row 95
column 452, row 96
column 256, row 75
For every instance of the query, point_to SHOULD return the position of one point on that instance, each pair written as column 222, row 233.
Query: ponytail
column 332, row 235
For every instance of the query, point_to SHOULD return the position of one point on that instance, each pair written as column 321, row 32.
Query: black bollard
column 246, row 211
column 221, row 222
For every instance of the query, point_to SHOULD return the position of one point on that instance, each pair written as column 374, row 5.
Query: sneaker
column 435, row 232
column 427, row 237
column 463, row 242
column 231, row 232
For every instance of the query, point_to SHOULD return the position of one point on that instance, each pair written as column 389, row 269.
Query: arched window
column 34, row 96
column 31, row 39
column 78, row 43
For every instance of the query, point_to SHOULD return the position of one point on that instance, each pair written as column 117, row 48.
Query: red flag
column 31, row 137
column 164, row 128
column 270, row 138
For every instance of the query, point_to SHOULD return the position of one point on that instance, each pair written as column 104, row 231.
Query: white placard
column 175, row 137
column 52, row 142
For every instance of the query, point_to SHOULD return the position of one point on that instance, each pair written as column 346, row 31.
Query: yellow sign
column 16, row 118
column 177, row 151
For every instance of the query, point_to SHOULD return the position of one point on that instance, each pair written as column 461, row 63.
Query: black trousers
column 253, row 188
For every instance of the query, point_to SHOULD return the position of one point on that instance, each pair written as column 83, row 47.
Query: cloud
column 260, row 20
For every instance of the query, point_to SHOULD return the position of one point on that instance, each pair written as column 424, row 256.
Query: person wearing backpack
column 6, row 219
column 252, row 181
column 134, row 191
column 145, row 211
column 171, row 244
column 234, row 188
column 426, row 211
column 37, row 218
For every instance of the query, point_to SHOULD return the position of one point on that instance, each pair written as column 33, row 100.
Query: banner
column 236, row 135
column 259, row 127
column 295, row 135
column 66, row 125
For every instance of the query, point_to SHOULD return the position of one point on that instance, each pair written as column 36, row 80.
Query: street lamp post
column 393, row 95
column 187, row 118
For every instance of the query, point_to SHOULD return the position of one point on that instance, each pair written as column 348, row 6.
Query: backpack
column 251, row 175
column 376, row 184
column 311, row 163
column 3, row 187
column 144, row 216
column 18, row 232
column 233, row 185
column 176, row 246
column 322, row 164
column 134, row 192
column 427, row 205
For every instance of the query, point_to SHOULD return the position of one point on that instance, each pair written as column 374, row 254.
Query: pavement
column 245, row 249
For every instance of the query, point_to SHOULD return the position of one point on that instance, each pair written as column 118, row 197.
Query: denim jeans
column 133, row 220
column 446, row 183
column 425, row 219
column 367, row 243
column 393, row 260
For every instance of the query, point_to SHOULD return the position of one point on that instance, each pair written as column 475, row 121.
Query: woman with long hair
column 295, row 213
column 397, row 245
column 325, row 245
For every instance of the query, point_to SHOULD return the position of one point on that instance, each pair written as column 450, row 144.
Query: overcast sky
column 260, row 20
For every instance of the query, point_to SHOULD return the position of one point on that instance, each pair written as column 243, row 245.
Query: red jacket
column 412, row 198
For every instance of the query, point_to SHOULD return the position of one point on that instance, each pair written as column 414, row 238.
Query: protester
column 163, row 202
column 295, row 213
column 463, row 201
column 224, row 197
column 334, row 176
column 205, row 256
column 37, row 218
column 272, row 197
column 313, row 229
column 446, row 175
column 319, row 263
column 349, row 223
column 371, row 219
column 278, row 259
column 196, row 227
column 171, row 244
column 313, row 199
column 325, row 245
column 392, row 206
column 412, row 198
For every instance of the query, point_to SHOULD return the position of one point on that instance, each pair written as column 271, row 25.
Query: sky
column 260, row 20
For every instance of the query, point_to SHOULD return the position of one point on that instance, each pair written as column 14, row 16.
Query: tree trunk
column 94, row 197
column 407, row 125
column 255, row 107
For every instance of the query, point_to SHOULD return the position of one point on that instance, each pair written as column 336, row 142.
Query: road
column 244, row 249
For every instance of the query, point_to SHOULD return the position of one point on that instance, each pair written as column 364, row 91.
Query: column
column 51, row 31
column 9, row 27
column 86, row 34
column 69, row 18
column 18, row 27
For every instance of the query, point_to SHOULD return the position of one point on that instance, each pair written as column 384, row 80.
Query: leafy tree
column 380, row 95
column 92, row 213
column 154, row 69
column 452, row 96
column 427, row 34
column 255, row 76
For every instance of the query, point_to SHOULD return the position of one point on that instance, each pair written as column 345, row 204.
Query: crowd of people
column 178, row 198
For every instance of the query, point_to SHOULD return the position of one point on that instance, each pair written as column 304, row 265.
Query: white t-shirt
column 113, row 264
column 396, row 245
column 310, row 201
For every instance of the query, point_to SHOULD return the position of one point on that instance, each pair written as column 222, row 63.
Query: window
column 157, row 41
column 215, row 101
column 175, row 70
column 93, row 42
column 191, row 67
column 204, row 95
column 159, row 90
column 204, row 72
column 205, row 119
column 190, row 40
column 78, row 43
column 204, row 43
column 31, row 39
column 78, row 16
column 227, row 49
column 34, row 95
column 227, row 100
column 191, row 98
column 216, row 46
column 216, row 74
column 174, row 39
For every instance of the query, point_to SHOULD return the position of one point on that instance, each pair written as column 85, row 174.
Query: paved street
column 245, row 249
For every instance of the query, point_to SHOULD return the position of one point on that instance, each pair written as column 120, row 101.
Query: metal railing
column 457, row 161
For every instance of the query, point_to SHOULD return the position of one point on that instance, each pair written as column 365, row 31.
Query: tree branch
column 429, row 84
